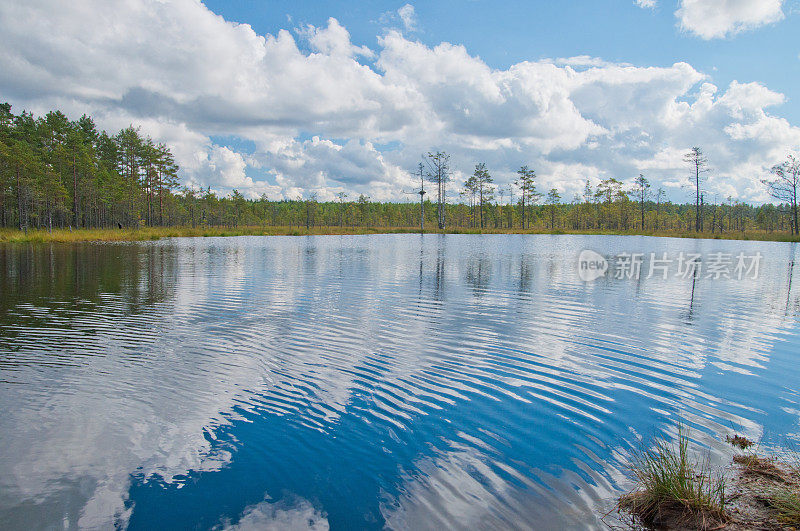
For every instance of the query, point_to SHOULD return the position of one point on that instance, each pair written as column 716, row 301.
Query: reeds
column 673, row 489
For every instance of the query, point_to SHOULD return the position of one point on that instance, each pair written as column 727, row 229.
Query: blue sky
column 293, row 98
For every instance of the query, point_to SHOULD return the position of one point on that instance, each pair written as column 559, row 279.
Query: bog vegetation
column 677, row 488
column 56, row 173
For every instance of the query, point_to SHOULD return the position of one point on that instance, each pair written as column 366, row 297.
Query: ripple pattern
column 403, row 381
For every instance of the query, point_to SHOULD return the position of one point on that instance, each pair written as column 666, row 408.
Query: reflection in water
column 525, row 274
column 689, row 314
column 269, row 515
column 439, row 278
column 795, row 309
column 408, row 381
column 479, row 274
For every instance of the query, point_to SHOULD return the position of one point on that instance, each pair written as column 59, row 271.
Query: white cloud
column 333, row 40
column 321, row 120
column 714, row 19
column 646, row 4
column 584, row 61
column 318, row 164
column 404, row 18
column 408, row 16
column 272, row 516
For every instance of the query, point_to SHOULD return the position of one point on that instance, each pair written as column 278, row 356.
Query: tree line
column 613, row 206
column 60, row 173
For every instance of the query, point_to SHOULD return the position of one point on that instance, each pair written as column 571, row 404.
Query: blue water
column 357, row 382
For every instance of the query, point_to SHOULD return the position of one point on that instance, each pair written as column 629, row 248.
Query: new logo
column 591, row 265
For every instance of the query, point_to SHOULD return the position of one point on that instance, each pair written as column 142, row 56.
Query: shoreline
column 157, row 233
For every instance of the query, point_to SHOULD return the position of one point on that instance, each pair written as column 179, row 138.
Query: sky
column 289, row 98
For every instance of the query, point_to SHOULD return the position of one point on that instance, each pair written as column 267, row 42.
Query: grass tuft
column 675, row 490
column 787, row 502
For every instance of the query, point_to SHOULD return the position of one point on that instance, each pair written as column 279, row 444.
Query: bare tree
column 702, row 211
column 714, row 215
column 421, row 192
column 641, row 191
column 588, row 197
column 342, row 196
column 439, row 173
column 510, row 206
column 784, row 186
column 699, row 163
column 500, row 192
column 660, row 195
column 553, row 200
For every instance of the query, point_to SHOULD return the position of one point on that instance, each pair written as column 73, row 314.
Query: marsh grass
column 754, row 465
column 674, row 489
column 787, row 502
column 785, row 497
column 773, row 483
column 155, row 233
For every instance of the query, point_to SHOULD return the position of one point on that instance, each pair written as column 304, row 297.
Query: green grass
column 786, row 501
column 674, row 489
column 786, row 498
column 155, row 233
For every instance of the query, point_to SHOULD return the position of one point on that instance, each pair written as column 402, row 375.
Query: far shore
column 157, row 233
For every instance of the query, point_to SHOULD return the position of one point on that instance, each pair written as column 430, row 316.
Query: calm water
column 370, row 381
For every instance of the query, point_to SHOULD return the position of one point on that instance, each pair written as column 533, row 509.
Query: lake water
column 399, row 381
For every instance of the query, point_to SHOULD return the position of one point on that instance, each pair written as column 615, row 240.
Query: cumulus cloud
column 333, row 40
column 321, row 165
column 714, row 19
column 339, row 116
column 646, row 4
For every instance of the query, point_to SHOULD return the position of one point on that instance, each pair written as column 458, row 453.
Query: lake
column 401, row 381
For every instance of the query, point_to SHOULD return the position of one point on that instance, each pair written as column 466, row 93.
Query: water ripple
column 460, row 382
